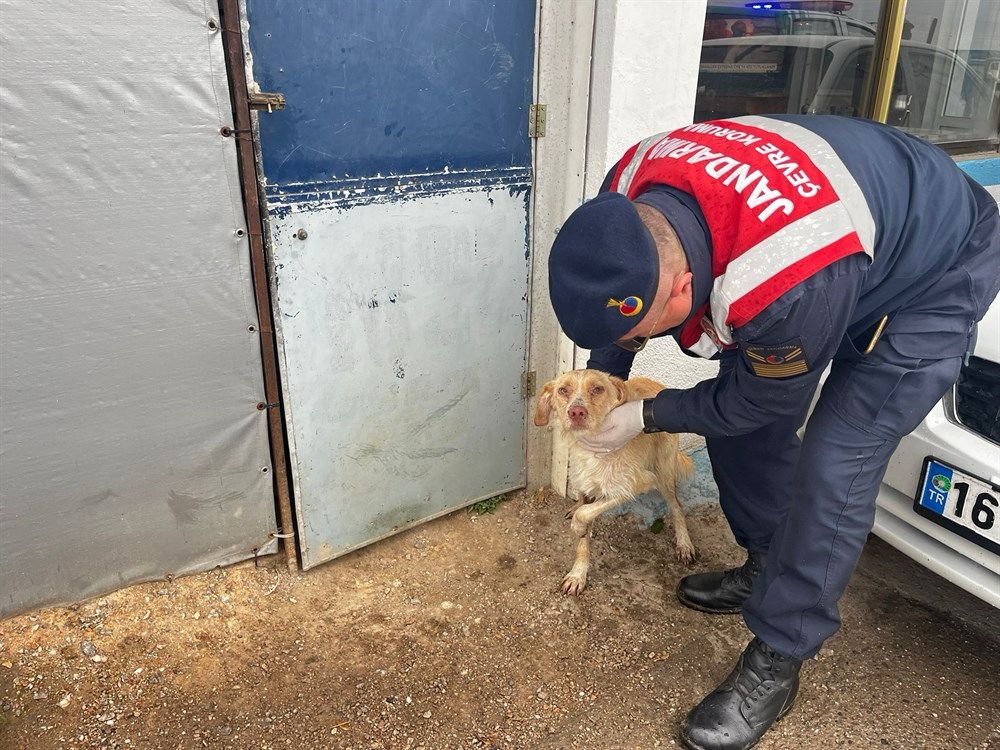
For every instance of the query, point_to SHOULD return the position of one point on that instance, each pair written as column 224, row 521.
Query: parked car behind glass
column 936, row 94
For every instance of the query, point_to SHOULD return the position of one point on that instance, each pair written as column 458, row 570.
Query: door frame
column 232, row 15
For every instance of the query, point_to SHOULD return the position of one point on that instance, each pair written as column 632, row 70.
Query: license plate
column 961, row 502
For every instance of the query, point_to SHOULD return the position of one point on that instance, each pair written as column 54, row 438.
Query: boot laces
column 743, row 574
column 755, row 681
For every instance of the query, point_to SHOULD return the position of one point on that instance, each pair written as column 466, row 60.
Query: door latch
column 266, row 100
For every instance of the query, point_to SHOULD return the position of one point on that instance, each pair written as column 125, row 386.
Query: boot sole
column 686, row 743
column 702, row 608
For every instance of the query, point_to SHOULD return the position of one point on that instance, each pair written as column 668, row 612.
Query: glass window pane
column 805, row 60
column 857, row 29
column 951, row 57
column 807, row 24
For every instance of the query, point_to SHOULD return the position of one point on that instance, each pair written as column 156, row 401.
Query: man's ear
column 544, row 406
column 682, row 285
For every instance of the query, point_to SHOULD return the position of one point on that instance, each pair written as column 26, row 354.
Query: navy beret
column 603, row 271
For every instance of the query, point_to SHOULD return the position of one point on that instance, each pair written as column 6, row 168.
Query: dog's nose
column 577, row 412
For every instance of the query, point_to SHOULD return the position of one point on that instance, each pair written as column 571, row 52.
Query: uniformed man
column 779, row 245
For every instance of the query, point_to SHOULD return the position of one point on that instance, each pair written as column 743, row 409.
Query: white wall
column 644, row 76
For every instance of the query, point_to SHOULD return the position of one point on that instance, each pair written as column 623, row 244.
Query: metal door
column 397, row 183
column 131, row 447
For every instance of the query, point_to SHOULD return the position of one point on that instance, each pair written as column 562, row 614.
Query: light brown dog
column 580, row 400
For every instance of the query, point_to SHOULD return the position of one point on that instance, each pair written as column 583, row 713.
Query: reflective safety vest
column 779, row 204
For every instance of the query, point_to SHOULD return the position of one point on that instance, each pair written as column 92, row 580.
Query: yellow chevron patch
column 782, row 361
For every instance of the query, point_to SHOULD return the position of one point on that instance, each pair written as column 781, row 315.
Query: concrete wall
column 644, row 77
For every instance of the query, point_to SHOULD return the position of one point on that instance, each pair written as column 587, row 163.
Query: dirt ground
column 453, row 636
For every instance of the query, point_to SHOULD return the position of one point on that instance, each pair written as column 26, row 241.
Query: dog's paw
column 574, row 583
column 686, row 553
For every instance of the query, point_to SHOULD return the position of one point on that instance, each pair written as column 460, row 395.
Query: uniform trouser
column 811, row 505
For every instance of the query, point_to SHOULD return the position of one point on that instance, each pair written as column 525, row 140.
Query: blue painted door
column 397, row 182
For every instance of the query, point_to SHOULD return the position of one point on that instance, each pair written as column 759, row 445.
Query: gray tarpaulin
column 130, row 445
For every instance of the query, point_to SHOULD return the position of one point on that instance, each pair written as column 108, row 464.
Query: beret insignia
column 628, row 307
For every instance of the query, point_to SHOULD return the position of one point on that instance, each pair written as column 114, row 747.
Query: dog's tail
column 685, row 466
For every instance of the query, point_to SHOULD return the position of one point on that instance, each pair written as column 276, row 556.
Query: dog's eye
column 564, row 391
column 597, row 390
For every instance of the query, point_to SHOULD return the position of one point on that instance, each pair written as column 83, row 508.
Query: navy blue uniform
column 811, row 504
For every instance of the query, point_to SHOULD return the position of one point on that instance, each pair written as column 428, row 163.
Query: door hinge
column 536, row 120
column 269, row 100
column 527, row 384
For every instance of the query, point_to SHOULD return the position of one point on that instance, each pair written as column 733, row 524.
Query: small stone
column 542, row 695
column 8, row 665
column 226, row 730
column 97, row 658
column 196, row 615
column 65, row 701
column 89, row 649
column 446, row 605
column 427, row 714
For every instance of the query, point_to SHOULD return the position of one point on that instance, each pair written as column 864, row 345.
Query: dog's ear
column 620, row 390
column 543, row 408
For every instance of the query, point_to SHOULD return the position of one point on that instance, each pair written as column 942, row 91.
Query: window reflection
column 814, row 57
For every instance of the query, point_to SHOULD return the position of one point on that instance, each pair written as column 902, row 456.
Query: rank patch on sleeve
column 782, row 361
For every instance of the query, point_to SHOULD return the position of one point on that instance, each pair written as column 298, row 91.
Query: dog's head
column 579, row 399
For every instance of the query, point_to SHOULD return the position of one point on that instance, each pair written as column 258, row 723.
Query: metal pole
column 885, row 56
column 235, row 65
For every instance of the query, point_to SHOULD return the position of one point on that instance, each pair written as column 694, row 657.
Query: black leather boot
column 721, row 592
column 759, row 691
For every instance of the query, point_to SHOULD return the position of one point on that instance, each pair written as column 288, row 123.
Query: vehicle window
column 742, row 79
column 843, row 93
column 948, row 101
column 952, row 54
column 732, row 26
column 801, row 67
column 855, row 29
column 808, row 25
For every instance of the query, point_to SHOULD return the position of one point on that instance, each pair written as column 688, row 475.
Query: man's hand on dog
column 621, row 425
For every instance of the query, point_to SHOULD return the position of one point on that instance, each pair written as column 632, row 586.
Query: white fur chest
column 612, row 476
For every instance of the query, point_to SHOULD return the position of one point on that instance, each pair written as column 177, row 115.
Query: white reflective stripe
column 625, row 181
column 705, row 347
column 768, row 258
column 720, row 311
column 824, row 157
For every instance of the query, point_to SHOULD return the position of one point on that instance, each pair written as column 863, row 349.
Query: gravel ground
column 453, row 636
